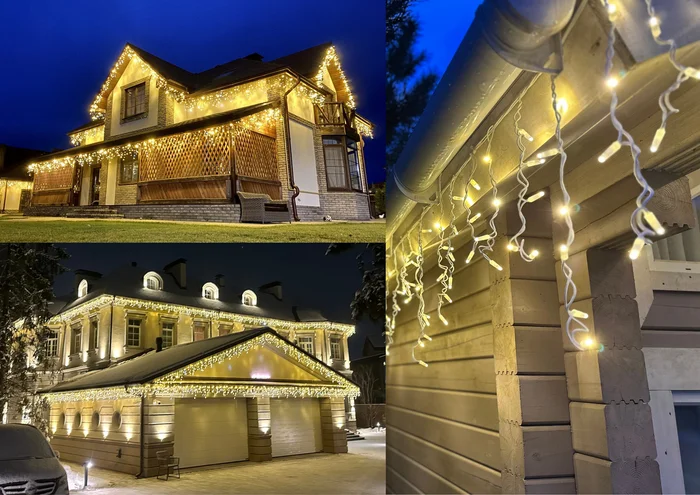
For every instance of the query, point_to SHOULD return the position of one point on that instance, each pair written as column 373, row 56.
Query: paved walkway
column 360, row 471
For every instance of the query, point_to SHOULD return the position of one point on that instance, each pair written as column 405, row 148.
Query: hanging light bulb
column 441, row 277
column 658, row 137
column 511, row 247
column 578, row 314
column 438, row 226
column 535, row 197
column 475, row 184
column 487, row 158
column 423, row 363
column 427, row 231
column 444, row 320
column 548, row 153
column 495, row 265
column 609, row 151
column 526, row 135
column 564, row 252
column 496, row 202
column 636, row 248
column 451, row 256
column 534, row 254
column 692, row 72
column 427, row 337
column 612, row 82
column 562, row 106
column 470, row 256
column 447, row 298
column 484, row 237
column 653, row 222
column 421, row 343
column 535, row 162
column 588, row 343
column 475, row 218
column 563, row 210
column 612, row 8
column 655, row 26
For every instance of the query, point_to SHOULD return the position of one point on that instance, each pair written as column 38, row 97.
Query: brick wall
column 125, row 194
column 345, row 205
column 222, row 213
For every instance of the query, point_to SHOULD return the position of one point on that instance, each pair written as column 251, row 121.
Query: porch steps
column 94, row 212
column 353, row 436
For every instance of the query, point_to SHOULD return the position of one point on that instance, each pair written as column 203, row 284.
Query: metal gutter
column 506, row 38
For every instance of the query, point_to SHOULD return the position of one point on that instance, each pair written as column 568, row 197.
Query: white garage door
column 210, row 431
column 296, row 426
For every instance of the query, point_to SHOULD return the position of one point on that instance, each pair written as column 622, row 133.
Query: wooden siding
column 673, row 320
column 212, row 189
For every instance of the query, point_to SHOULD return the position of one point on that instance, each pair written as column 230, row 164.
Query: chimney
column 274, row 288
column 178, row 270
column 159, row 344
column 220, row 281
column 254, row 56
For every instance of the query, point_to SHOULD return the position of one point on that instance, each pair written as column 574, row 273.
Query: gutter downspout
column 288, row 144
column 506, row 37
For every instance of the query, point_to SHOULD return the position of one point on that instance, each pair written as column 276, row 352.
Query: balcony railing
column 334, row 114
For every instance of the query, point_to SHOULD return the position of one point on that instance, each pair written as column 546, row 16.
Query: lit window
column 306, row 343
column 167, row 333
column 83, row 288
column 129, row 170
column 52, row 344
column 342, row 158
column 225, row 329
column 249, row 298
column 133, row 333
column 135, row 103
column 210, row 291
column 153, row 281
column 200, row 330
column 94, row 333
column 77, row 340
column 336, row 348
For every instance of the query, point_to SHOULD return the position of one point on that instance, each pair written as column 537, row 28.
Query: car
column 28, row 464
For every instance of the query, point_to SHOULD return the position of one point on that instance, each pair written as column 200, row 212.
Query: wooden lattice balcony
column 334, row 116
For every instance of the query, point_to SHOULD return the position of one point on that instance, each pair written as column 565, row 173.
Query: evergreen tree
column 407, row 93
column 27, row 274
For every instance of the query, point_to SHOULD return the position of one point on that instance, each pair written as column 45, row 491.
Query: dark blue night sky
column 56, row 55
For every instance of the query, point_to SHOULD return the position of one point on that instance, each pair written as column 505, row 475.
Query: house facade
column 15, row 181
column 142, row 360
column 167, row 143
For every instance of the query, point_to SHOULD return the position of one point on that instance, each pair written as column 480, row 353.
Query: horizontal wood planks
column 185, row 191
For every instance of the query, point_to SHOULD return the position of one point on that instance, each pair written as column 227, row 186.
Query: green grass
column 21, row 229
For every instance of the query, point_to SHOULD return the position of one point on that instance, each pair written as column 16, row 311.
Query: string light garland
column 423, row 318
column 642, row 218
column 684, row 73
column 515, row 244
column 331, row 57
column 92, row 135
column 21, row 184
column 444, row 252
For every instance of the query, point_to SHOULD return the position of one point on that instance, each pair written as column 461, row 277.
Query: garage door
column 210, row 431
column 296, row 426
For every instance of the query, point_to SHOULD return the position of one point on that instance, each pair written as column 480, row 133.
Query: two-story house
column 167, row 143
column 147, row 361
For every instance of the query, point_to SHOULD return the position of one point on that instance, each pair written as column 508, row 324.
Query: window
column 249, row 298
column 225, row 329
column 210, row 291
column 135, row 100
column 200, row 330
column 94, row 333
column 133, row 333
column 167, row 332
column 52, row 344
column 306, row 343
column 77, row 340
column 129, row 170
column 83, row 288
column 342, row 163
column 152, row 281
column 336, row 349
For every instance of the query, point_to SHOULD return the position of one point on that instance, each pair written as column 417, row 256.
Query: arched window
column 83, row 288
column 152, row 281
column 249, row 298
column 210, row 291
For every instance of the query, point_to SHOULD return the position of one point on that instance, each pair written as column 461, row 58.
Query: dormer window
column 152, row 281
column 249, row 298
column 83, row 288
column 210, row 291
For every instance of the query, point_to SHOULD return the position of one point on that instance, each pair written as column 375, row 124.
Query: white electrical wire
column 423, row 319
column 570, row 289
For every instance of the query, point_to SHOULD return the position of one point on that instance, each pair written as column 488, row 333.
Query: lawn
column 23, row 229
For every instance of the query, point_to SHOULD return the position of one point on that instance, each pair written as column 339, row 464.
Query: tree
column 368, row 382
column 27, row 274
column 407, row 93
column 370, row 297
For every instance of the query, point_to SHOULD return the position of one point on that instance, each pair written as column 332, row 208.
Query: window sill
column 132, row 118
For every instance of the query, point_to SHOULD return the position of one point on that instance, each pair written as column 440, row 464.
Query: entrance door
column 296, row 426
column 210, row 431
column 24, row 198
column 304, row 164
column 95, row 186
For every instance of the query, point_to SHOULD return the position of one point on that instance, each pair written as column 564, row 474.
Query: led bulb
column 655, row 27
column 421, row 343
column 578, row 314
column 548, row 153
column 469, row 200
column 426, row 319
column 449, row 283
column 535, row 162
column 458, row 198
column 496, row 202
column 441, row 277
column 692, row 72
column 636, row 248
column 444, row 320
column 475, row 185
column 451, row 256
column 495, row 265
column 658, row 137
column 423, row 363
column 609, row 151
column 447, row 298
column 483, row 237
column 526, row 135
column 427, row 337
column 487, row 158
column 475, row 218
column 612, row 8
column 427, row 231
column 588, row 343
column 653, row 222
column 534, row 254
column 563, row 210
column 535, row 197
column 511, row 247
column 471, row 255
column 564, row 252
column 612, row 82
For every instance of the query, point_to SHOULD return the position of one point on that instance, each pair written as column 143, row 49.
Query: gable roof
column 153, row 365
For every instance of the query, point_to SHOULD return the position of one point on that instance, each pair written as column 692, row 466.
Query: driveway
column 362, row 470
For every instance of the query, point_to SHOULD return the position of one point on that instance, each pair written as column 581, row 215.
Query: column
column 335, row 440
column 259, row 434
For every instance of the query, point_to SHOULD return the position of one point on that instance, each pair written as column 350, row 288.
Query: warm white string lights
column 332, row 58
column 444, row 254
column 423, row 318
column 516, row 244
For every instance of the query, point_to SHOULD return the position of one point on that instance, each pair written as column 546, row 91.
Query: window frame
column 52, row 340
column 120, row 175
column 173, row 331
column 339, row 341
column 346, row 163
column 311, row 341
column 76, row 332
column 129, row 319
column 145, row 82
column 94, row 342
column 228, row 326
column 205, row 325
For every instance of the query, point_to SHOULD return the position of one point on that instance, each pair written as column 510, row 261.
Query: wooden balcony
column 335, row 118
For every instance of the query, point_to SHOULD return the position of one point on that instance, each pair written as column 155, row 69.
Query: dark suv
column 28, row 464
